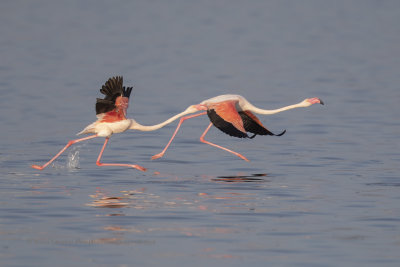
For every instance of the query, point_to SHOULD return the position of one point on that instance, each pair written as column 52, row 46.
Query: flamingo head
column 311, row 101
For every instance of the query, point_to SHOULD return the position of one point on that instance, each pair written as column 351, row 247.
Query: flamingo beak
column 315, row 100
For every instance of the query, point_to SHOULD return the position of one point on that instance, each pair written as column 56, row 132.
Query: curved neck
column 273, row 111
column 137, row 126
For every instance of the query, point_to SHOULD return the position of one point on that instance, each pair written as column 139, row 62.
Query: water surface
column 324, row 194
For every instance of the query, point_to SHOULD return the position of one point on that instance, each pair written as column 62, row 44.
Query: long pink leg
column 140, row 168
column 159, row 155
column 62, row 150
column 209, row 143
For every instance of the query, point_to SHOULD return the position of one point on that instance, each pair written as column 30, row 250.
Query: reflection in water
column 167, row 208
column 241, row 178
column 103, row 201
column 108, row 202
column 171, row 206
column 215, row 201
column 149, row 216
column 186, row 231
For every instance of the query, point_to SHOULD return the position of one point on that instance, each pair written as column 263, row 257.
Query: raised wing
column 111, row 89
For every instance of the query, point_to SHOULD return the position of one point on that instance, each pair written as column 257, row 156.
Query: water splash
column 73, row 158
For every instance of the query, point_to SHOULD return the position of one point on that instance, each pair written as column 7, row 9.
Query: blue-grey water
column 327, row 193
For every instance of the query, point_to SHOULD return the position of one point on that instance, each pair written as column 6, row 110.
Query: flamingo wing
column 103, row 106
column 111, row 89
column 225, row 117
column 253, row 125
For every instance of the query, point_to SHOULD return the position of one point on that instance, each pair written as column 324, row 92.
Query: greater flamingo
column 111, row 118
column 232, row 114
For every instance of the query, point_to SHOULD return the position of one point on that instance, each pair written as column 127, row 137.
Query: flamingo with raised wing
column 111, row 118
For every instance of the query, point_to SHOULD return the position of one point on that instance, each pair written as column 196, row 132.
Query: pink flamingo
column 230, row 113
column 111, row 118
column 233, row 115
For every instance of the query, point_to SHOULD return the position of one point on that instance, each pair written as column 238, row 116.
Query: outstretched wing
column 225, row 117
column 224, row 126
column 111, row 89
column 253, row 125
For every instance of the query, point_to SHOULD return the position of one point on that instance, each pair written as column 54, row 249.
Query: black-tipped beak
column 321, row 102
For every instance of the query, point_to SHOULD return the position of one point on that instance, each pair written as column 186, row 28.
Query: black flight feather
column 111, row 89
column 282, row 133
column 224, row 126
column 252, row 126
